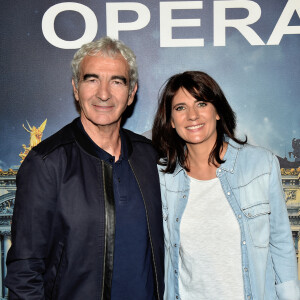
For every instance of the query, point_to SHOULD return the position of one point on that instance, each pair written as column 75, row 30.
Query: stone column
column 1, row 287
column 298, row 255
column 6, row 246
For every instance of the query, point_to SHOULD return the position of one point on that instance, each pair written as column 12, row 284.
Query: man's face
column 103, row 90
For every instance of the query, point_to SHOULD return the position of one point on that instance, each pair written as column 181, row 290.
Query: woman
column 227, row 233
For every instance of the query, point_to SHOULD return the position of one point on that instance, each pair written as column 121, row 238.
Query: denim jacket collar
column 178, row 169
column 230, row 157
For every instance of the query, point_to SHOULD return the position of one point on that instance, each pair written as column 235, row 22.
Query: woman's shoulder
column 250, row 149
column 163, row 176
column 170, row 179
column 254, row 156
column 256, row 149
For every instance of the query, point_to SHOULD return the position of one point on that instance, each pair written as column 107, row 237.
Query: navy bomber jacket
column 63, row 222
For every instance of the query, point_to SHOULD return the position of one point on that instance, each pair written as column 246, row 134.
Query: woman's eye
column 201, row 104
column 179, row 108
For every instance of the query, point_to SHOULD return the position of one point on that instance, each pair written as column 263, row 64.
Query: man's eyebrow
column 120, row 78
column 87, row 76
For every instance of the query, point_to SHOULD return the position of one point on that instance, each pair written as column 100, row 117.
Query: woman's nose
column 193, row 114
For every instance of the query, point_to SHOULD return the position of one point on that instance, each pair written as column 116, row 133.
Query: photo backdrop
column 251, row 48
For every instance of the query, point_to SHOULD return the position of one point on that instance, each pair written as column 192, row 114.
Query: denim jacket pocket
column 258, row 223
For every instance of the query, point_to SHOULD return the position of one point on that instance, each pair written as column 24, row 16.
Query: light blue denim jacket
column 251, row 181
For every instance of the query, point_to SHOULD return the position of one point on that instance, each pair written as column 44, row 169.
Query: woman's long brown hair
column 170, row 146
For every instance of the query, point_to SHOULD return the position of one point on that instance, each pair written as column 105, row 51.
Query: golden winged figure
column 35, row 138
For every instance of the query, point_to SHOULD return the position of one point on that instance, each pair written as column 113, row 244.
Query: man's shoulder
column 137, row 138
column 140, row 145
column 64, row 136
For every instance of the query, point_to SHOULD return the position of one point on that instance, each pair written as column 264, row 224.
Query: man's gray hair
column 108, row 47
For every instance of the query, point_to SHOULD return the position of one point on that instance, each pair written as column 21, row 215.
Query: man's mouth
column 101, row 106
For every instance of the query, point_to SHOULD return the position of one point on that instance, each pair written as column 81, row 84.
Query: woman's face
column 195, row 121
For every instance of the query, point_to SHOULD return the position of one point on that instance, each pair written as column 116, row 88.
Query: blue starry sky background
column 260, row 82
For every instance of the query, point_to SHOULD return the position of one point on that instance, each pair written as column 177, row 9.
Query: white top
column 210, row 264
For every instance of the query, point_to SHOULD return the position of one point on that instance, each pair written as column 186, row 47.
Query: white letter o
column 91, row 25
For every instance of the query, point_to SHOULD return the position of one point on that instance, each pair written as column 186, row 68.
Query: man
column 87, row 222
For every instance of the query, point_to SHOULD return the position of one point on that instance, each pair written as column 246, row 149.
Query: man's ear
column 131, row 96
column 75, row 90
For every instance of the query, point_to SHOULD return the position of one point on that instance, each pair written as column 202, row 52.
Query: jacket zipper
column 103, row 269
column 153, row 258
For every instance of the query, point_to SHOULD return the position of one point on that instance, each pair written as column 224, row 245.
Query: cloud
column 3, row 165
column 263, row 133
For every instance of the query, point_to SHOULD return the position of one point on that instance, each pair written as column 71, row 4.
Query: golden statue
column 35, row 138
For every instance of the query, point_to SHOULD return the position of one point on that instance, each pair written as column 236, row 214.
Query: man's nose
column 103, row 91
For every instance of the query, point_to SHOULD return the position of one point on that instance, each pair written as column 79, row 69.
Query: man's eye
column 90, row 80
column 118, row 82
